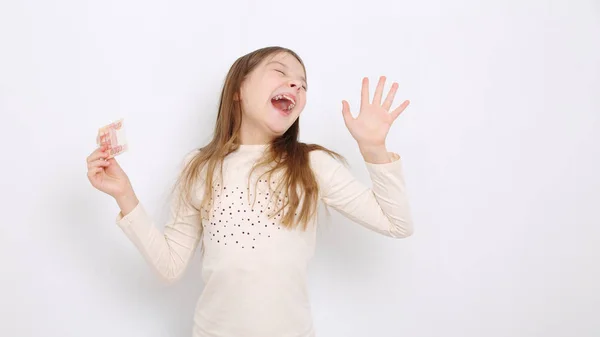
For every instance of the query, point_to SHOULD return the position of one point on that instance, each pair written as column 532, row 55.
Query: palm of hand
column 112, row 179
column 374, row 120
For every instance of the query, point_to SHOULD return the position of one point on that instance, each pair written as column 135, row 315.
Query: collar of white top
column 252, row 147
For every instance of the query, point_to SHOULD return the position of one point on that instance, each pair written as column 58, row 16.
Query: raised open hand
column 371, row 126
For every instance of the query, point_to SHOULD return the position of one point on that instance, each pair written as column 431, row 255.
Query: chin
column 279, row 122
column 277, row 130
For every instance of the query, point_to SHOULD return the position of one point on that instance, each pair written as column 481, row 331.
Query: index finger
column 364, row 100
column 98, row 153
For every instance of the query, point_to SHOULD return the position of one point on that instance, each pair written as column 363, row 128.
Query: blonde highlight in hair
column 285, row 157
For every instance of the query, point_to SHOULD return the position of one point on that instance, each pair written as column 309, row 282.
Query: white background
column 501, row 149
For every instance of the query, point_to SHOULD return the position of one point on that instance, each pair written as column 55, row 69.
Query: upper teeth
column 278, row 97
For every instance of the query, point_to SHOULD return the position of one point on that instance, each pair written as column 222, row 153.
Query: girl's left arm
column 384, row 207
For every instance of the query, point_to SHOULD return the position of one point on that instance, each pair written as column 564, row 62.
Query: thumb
column 346, row 113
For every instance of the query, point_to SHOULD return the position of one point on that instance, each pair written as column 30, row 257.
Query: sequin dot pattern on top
column 239, row 212
column 245, row 220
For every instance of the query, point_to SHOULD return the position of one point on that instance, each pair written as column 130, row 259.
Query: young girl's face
column 273, row 96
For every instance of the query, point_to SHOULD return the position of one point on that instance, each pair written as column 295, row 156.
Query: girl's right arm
column 168, row 251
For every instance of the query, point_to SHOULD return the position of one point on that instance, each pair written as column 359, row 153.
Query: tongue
column 281, row 104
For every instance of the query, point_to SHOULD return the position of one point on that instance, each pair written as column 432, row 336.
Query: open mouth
column 284, row 102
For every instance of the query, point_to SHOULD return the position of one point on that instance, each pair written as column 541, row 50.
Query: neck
column 251, row 135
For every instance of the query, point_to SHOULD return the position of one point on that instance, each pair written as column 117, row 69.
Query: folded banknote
column 113, row 136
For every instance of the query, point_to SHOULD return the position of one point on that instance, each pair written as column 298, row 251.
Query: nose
column 295, row 84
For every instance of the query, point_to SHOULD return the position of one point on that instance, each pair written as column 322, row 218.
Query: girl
column 251, row 195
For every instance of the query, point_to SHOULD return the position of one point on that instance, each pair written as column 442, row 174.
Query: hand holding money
column 104, row 172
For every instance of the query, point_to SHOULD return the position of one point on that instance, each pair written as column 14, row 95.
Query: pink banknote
column 113, row 136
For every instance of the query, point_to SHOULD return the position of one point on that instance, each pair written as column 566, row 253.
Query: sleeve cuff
column 138, row 214
column 394, row 164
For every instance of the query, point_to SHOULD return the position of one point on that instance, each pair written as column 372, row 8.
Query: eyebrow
column 302, row 77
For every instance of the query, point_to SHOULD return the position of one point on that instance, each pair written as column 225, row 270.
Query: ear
column 236, row 97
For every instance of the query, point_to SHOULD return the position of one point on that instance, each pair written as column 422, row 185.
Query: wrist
column 127, row 201
column 375, row 154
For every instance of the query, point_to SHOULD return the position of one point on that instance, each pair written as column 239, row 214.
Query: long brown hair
column 285, row 155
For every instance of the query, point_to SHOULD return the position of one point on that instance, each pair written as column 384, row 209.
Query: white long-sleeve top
column 255, row 270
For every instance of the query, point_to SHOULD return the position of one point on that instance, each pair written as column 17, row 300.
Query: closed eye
column 281, row 72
